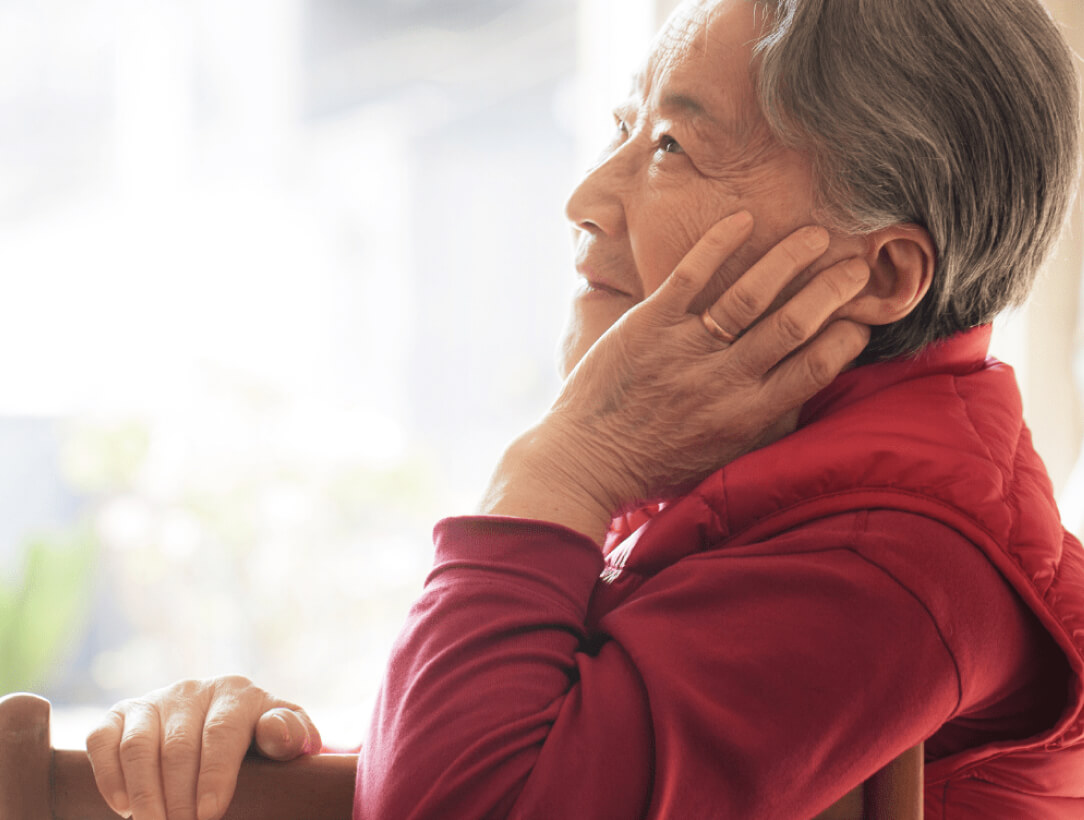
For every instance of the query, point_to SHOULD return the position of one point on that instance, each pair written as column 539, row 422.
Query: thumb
column 283, row 734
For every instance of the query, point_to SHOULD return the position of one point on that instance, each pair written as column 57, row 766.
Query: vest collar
column 962, row 353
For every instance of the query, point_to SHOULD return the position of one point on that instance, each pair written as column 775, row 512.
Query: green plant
column 41, row 608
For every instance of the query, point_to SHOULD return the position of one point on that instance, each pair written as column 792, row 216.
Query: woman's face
column 689, row 148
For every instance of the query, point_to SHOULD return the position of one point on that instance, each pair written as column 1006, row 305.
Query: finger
column 103, row 749
column 182, row 739
column 797, row 321
column 817, row 365
column 750, row 297
column 227, row 735
column 285, row 733
column 140, row 761
column 695, row 270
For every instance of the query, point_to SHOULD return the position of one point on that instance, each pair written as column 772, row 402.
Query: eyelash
column 666, row 142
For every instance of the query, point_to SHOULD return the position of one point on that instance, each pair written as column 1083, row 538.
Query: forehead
column 704, row 51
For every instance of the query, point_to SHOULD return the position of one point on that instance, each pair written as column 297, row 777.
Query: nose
column 597, row 204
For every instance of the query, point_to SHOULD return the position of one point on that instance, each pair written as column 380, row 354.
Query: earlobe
column 901, row 260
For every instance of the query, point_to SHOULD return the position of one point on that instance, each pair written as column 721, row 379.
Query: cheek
column 662, row 236
column 738, row 264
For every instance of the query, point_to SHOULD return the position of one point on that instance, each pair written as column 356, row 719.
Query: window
column 283, row 280
column 290, row 276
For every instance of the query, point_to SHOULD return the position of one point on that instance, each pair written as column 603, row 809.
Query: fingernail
column 857, row 270
column 741, row 219
column 120, row 804
column 284, row 728
column 208, row 807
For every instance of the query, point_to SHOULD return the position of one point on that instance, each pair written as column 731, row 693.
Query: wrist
column 541, row 478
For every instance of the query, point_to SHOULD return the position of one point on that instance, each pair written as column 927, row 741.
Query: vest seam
column 933, row 620
column 715, row 554
column 978, row 436
column 1015, row 527
column 977, row 774
column 886, row 489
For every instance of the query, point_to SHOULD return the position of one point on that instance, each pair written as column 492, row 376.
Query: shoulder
column 995, row 639
column 881, row 582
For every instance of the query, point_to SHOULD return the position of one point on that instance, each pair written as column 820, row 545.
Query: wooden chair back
column 38, row 782
column 893, row 793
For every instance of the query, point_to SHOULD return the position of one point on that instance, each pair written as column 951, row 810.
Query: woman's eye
column 622, row 126
column 669, row 145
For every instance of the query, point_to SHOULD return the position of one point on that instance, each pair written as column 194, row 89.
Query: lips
column 600, row 281
column 598, row 286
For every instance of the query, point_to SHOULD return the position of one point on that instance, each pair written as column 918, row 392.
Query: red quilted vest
column 941, row 436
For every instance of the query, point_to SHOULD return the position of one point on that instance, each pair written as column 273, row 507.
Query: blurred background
column 281, row 280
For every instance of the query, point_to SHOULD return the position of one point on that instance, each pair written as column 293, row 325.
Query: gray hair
column 958, row 115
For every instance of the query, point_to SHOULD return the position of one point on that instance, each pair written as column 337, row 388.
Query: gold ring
column 713, row 328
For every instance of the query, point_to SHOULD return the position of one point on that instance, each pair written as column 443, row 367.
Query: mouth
column 595, row 284
column 592, row 288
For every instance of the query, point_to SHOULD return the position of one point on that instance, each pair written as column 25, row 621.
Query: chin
column 574, row 346
column 588, row 322
column 573, row 349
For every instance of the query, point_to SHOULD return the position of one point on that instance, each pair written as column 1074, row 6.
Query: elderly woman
column 784, row 520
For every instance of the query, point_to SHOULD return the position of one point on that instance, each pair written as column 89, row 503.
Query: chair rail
column 38, row 782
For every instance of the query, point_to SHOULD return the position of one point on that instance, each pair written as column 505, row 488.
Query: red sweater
column 891, row 572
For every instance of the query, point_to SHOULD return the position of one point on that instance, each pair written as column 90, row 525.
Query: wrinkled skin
column 672, row 171
column 175, row 752
column 652, row 402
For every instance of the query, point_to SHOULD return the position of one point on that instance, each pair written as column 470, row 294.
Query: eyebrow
column 691, row 106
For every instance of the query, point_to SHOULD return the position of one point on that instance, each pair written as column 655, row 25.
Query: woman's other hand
column 174, row 754
column 659, row 403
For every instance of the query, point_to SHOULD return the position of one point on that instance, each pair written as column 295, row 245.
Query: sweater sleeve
column 760, row 683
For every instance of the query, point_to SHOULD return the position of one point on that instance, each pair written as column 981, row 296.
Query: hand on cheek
column 659, row 402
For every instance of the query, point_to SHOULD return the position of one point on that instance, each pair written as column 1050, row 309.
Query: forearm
column 479, row 678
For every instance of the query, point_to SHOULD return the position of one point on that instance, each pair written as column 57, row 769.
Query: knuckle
column 144, row 800
column 235, row 681
column 821, row 369
column 790, row 253
column 186, row 688
column 98, row 736
column 181, row 808
column 179, row 746
column 137, row 748
column 839, row 288
column 233, row 685
column 744, row 303
column 102, row 738
column 683, row 279
column 216, row 769
column 790, row 327
column 222, row 730
column 220, row 723
column 138, row 705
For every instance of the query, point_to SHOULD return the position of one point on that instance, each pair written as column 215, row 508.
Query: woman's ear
column 901, row 261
